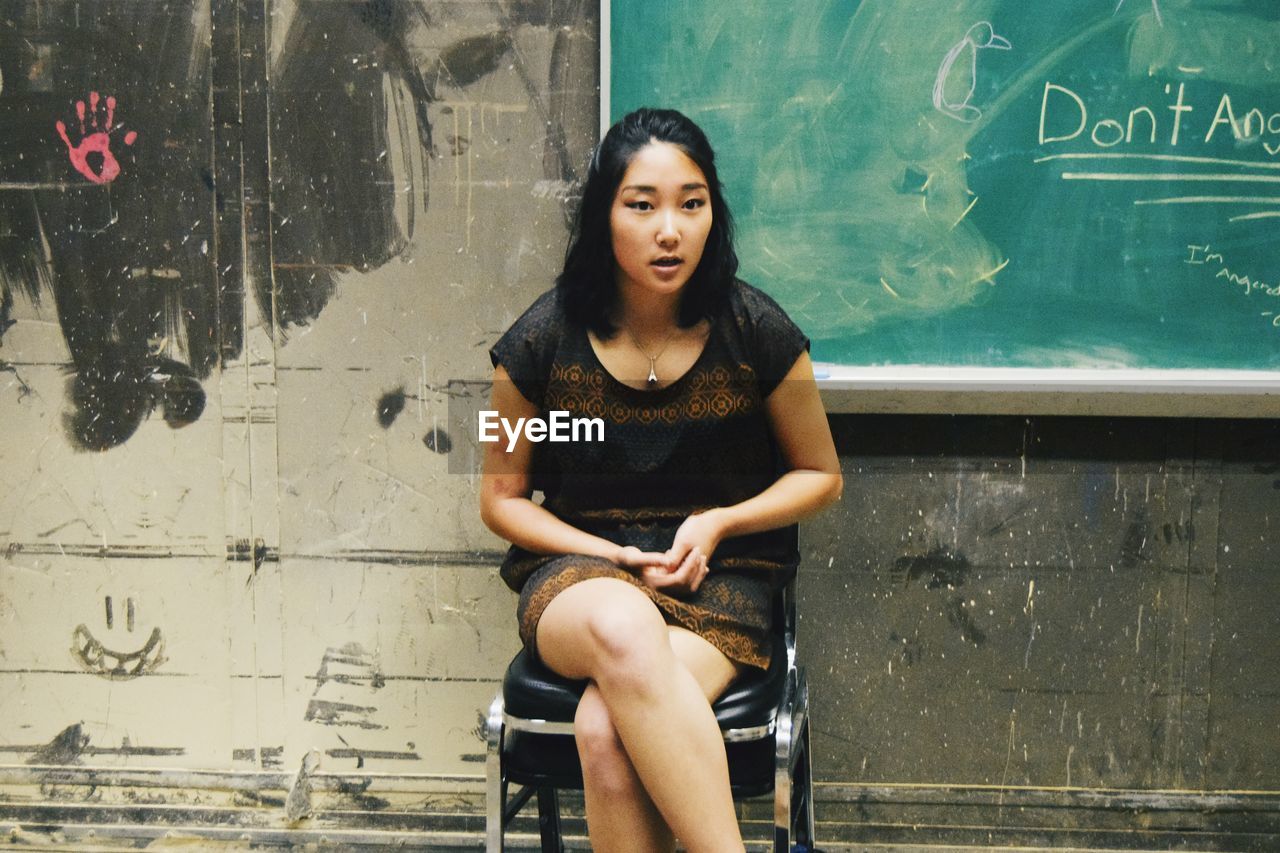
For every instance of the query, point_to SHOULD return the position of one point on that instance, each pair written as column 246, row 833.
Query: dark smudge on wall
column 344, row 70
column 115, row 225
column 112, row 223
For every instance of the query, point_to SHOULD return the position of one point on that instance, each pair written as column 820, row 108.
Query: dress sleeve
column 776, row 340
column 527, row 349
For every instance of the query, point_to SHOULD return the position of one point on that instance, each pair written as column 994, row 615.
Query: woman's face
column 659, row 221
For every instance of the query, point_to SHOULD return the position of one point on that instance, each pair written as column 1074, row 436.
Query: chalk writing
column 959, row 72
column 95, row 140
column 1203, row 255
column 1065, row 116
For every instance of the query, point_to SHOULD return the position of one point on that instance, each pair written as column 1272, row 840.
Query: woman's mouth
column 667, row 263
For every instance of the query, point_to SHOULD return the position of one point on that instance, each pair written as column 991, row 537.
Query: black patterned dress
column 703, row 441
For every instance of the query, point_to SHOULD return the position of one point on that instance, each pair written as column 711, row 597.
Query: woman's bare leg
column 621, row 815
column 608, row 631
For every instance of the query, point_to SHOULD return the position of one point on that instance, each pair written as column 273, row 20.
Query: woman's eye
column 694, row 203
column 639, row 205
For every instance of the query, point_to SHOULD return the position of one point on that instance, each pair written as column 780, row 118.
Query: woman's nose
column 668, row 233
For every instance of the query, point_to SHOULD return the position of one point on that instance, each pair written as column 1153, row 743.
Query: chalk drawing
column 113, row 665
column 1155, row 7
column 964, row 54
column 96, row 142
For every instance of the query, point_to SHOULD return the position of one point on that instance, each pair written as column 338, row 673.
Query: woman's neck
column 649, row 316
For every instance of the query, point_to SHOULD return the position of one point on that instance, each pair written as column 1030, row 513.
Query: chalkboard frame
column 913, row 389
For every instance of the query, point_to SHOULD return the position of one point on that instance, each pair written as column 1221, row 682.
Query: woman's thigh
column 595, row 617
column 708, row 665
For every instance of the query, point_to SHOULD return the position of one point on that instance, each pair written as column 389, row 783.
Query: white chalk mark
column 1189, row 70
column 1008, row 756
column 979, row 37
column 1211, row 199
column 1155, row 7
column 1156, row 176
column 1270, row 214
column 27, row 185
column 886, row 286
column 1164, row 158
column 990, row 277
column 1137, row 640
column 966, row 213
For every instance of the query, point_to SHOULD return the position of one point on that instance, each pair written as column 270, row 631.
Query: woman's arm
column 506, row 509
column 812, row 481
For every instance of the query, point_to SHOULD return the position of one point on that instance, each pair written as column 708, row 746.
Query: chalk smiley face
column 112, row 664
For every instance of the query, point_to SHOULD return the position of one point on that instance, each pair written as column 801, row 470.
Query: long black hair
column 588, row 284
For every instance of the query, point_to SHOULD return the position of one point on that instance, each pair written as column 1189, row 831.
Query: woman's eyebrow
column 645, row 188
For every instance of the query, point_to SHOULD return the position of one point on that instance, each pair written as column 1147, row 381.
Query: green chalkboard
column 990, row 183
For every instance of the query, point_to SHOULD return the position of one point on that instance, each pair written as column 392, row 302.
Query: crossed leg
column 653, row 758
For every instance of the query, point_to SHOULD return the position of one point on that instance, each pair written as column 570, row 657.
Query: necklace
column 652, row 381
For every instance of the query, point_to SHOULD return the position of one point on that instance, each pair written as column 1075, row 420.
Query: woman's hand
column 631, row 557
column 685, row 565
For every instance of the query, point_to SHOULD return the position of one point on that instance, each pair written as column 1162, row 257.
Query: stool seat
column 531, row 691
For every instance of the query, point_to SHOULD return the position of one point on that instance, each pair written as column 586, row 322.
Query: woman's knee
column 594, row 732
column 629, row 630
column 605, row 764
column 613, row 624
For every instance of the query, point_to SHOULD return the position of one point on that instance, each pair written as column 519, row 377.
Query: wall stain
column 1265, row 470
column 438, row 440
column 116, row 235
column 912, row 648
column 1133, row 549
column 942, row 567
column 958, row 616
column 355, row 793
column 331, row 72
column 1182, row 531
column 390, row 405
column 66, row 747
column 129, row 263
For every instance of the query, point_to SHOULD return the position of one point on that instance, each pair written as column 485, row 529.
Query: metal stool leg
column 782, row 774
column 549, row 821
column 495, row 784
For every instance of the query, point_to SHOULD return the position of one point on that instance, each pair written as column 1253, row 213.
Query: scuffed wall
column 238, row 528
column 1048, row 631
column 232, row 302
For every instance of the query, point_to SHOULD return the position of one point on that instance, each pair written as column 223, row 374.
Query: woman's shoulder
column 528, row 346
column 541, row 323
column 770, row 337
column 544, row 311
column 754, row 308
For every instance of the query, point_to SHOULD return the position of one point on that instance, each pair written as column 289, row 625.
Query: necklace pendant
column 653, row 377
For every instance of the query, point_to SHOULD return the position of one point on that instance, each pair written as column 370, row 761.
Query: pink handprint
column 97, row 142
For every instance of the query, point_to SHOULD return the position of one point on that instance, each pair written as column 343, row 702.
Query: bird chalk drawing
column 959, row 72
column 1155, row 7
column 95, row 138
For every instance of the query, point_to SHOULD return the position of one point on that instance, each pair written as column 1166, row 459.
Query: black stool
column 764, row 717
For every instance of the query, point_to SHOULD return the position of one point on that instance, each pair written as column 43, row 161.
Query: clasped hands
column 683, row 567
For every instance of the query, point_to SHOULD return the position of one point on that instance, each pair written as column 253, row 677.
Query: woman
column 650, row 565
